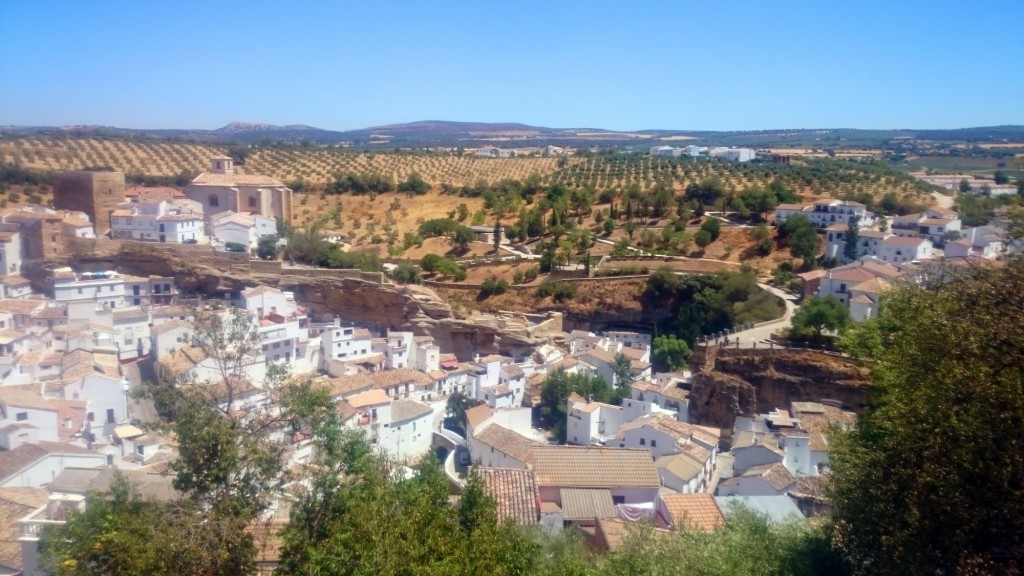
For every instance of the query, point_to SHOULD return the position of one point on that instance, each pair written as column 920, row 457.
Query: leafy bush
column 493, row 286
column 407, row 274
column 559, row 291
column 236, row 247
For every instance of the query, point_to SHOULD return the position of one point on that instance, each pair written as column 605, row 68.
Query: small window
column 214, row 200
column 654, row 443
column 21, row 416
column 643, row 442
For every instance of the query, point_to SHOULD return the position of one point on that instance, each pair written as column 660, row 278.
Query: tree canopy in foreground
column 932, row 479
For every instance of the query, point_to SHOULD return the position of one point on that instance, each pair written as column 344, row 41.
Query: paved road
column 942, row 200
column 760, row 334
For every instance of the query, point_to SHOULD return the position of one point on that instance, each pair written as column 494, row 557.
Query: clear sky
column 698, row 65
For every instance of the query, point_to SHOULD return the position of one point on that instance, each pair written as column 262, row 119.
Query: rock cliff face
column 380, row 305
column 747, row 382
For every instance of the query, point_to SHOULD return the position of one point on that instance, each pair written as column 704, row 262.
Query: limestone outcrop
column 353, row 295
column 745, row 382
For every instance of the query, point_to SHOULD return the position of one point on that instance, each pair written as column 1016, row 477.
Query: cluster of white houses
column 908, row 247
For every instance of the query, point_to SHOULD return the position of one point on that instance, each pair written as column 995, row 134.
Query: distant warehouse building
column 734, row 154
column 667, row 151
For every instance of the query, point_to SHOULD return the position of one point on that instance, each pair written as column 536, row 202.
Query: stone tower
column 95, row 193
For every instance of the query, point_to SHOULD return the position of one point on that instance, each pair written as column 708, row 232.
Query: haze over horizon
column 684, row 66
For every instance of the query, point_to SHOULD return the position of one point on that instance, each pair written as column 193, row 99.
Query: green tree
column 609, row 227
column 929, row 481
column 630, row 228
column 670, row 352
column 803, row 238
column 759, row 201
column 622, row 372
column 817, row 315
column 555, row 393
column 761, row 235
column 455, row 411
column 965, row 186
column 702, row 238
column 266, row 249
column 407, row 274
column 414, row 184
column 713, row 226
column 461, row 238
column 1000, row 177
column 851, row 250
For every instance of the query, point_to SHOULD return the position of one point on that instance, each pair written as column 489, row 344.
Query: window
column 140, row 450
column 252, row 202
column 110, row 415
column 654, row 443
column 214, row 200
column 21, row 416
column 643, row 442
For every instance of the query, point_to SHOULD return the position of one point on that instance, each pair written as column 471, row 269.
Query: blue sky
column 706, row 65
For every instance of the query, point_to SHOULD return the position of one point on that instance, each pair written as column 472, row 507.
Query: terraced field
column 313, row 165
column 129, row 156
column 819, row 178
column 320, row 165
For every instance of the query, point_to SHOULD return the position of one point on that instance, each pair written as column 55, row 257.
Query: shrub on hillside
column 559, row 291
column 493, row 286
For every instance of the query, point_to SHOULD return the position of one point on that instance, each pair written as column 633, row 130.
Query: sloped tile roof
column 477, row 414
column 15, row 504
column 775, row 475
column 593, row 467
column 506, row 441
column 515, row 492
column 693, row 511
column 581, row 504
column 402, row 410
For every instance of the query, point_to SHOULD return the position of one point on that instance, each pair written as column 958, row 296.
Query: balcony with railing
column 54, row 513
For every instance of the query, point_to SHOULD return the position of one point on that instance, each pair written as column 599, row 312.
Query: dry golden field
column 320, row 165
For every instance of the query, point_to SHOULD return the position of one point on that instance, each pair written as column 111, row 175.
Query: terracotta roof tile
column 506, row 441
column 693, row 511
column 477, row 414
column 593, row 467
column 514, row 492
column 15, row 504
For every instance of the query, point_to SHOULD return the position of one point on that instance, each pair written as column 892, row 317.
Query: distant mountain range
column 473, row 134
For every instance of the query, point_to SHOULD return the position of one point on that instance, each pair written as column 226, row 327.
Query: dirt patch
column 477, row 274
column 694, row 266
